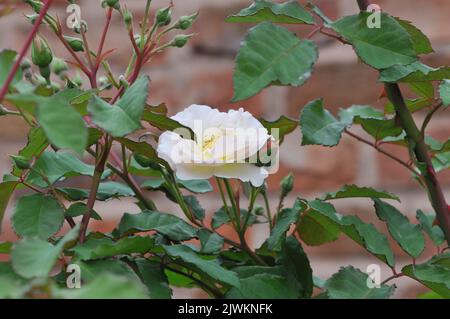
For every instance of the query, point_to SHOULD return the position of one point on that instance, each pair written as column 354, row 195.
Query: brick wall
column 202, row 73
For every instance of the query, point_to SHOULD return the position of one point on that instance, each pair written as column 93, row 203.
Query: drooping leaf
column 34, row 257
column 58, row 165
column 283, row 125
column 352, row 283
column 6, row 191
column 353, row 191
column 296, row 262
column 444, row 92
column 285, row 219
column 38, row 216
column 124, row 117
column 380, row 128
column 166, row 224
column 220, row 218
column 209, row 266
column 210, row 242
column 427, row 224
column 6, row 62
column 154, row 278
column 37, row 142
column 107, row 286
column 103, row 248
column 195, row 206
column 262, row 10
column 62, row 124
column 196, row 186
column 319, row 126
column 409, row 236
column 414, row 72
column 271, row 54
column 421, row 43
column 382, row 47
column 265, row 286
column 434, row 274
column 79, row 209
column 359, row 111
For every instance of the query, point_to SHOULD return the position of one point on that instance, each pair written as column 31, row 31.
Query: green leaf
column 38, row 216
column 409, row 236
column 322, row 224
column 220, row 218
column 211, row 267
column 34, row 257
column 284, row 125
column 164, row 123
column 6, row 191
column 359, row 111
column 285, row 219
column 103, row 248
column 107, row 286
column 414, row 72
column 380, row 128
column 296, row 262
column 37, row 142
column 154, row 278
column 196, row 186
column 57, row 166
column 351, row 283
column 211, row 243
column 421, row 43
column 265, row 286
column 79, row 209
column 318, row 126
column 441, row 161
column 379, row 47
column 262, row 10
column 194, row 205
column 62, row 124
column 7, row 58
column 434, row 274
column 168, row 225
column 92, row 269
column 271, row 54
column 424, row 90
column 413, row 105
column 444, row 92
column 353, row 191
column 124, row 117
column 427, row 224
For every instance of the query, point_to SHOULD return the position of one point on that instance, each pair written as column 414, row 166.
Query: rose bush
column 99, row 114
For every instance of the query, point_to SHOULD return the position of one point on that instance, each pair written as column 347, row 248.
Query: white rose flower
column 227, row 145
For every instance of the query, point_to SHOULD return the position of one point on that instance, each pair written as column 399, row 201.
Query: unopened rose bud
column 75, row 43
column 127, row 18
column 41, row 54
column 25, row 64
column 21, row 162
column 185, row 22
column 163, row 16
column 180, row 40
column 45, row 72
column 59, row 66
column 287, row 185
column 31, row 17
column 123, row 82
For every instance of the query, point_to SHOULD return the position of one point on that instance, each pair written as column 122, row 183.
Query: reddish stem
column 25, row 48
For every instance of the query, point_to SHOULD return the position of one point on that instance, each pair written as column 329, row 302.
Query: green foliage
column 271, row 54
column 427, row 224
column 353, row 191
column 408, row 236
column 6, row 60
column 123, row 117
column 444, row 92
column 262, row 10
column 320, row 127
column 382, row 47
column 37, row 215
column 352, row 283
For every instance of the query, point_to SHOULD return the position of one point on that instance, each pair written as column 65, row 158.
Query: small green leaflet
column 414, row 72
column 262, row 10
column 427, row 224
column 408, row 236
column 382, row 47
column 6, row 61
column 444, row 92
column 6, row 191
column 124, row 117
column 271, row 55
column 421, row 43
column 352, row 283
column 353, row 191
column 319, row 126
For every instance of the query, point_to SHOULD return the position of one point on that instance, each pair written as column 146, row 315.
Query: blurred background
column 201, row 73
